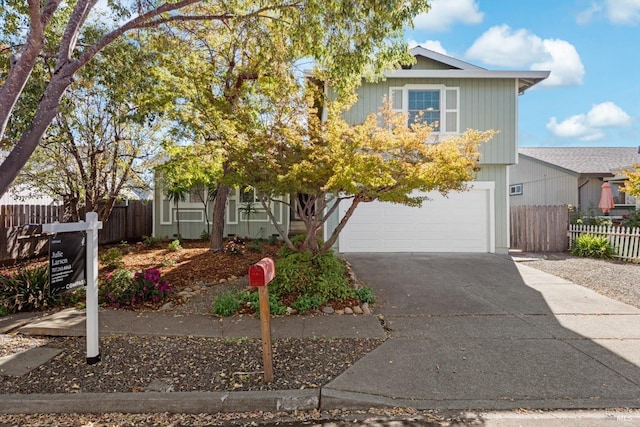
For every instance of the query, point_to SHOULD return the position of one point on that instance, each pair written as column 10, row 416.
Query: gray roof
column 464, row 70
column 597, row 161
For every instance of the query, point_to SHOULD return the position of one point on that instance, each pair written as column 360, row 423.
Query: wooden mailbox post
column 260, row 274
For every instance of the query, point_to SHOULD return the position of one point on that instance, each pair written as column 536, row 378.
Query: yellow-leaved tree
column 632, row 184
column 333, row 162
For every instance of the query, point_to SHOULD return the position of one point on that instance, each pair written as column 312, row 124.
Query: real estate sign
column 67, row 261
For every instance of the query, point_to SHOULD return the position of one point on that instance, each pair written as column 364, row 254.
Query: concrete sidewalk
column 466, row 332
column 71, row 322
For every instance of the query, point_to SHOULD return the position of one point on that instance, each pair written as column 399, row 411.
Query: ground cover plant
column 304, row 282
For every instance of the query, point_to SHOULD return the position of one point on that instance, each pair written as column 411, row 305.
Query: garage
column 460, row 222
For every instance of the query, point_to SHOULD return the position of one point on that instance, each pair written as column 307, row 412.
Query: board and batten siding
column 542, row 184
column 193, row 221
column 429, row 64
column 498, row 174
column 589, row 197
column 484, row 104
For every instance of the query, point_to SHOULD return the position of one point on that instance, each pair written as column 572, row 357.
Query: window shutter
column 451, row 111
column 395, row 94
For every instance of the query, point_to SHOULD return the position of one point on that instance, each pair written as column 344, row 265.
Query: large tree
column 332, row 162
column 102, row 140
column 228, row 80
column 337, row 31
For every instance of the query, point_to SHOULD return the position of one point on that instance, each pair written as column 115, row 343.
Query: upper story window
column 424, row 105
column 437, row 105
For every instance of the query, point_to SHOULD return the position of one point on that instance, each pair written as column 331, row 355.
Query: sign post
column 91, row 227
column 260, row 274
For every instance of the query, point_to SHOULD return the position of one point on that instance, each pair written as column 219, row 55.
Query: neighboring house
column 458, row 96
column 572, row 176
column 23, row 195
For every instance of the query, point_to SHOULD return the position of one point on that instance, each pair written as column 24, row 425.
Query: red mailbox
column 262, row 272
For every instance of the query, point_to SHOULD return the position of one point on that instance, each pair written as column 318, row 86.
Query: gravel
column 139, row 364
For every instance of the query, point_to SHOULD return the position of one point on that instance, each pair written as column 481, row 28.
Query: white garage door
column 461, row 222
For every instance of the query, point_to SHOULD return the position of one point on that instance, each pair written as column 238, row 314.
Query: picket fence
column 626, row 240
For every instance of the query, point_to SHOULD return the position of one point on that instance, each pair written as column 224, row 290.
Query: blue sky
column 591, row 47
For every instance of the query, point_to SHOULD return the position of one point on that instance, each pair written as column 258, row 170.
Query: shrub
column 125, row 289
column 234, row 246
column 306, row 303
column 276, row 308
column 205, row 235
column 75, row 297
column 632, row 219
column 297, row 241
column 27, row 290
column 308, row 274
column 254, row 246
column 226, row 304
column 174, row 246
column 365, row 294
column 112, row 258
column 150, row 240
column 124, row 247
column 590, row 246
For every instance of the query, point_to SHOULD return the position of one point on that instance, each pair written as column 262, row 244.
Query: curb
column 153, row 402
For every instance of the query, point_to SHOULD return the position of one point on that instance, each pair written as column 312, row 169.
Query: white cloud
column 434, row 45
column 623, row 11
column 445, row 13
column 502, row 46
column 574, row 127
column 564, row 62
column 608, row 114
column 587, row 15
column 589, row 127
column 620, row 12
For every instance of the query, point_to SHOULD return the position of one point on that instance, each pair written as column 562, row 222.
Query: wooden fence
column 626, row 240
column 21, row 227
column 539, row 228
column 128, row 222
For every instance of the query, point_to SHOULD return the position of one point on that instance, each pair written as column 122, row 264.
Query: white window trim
column 240, row 219
column 443, row 103
column 515, row 190
column 199, row 219
column 629, row 200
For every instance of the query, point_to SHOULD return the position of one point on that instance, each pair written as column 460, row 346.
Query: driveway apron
column 475, row 331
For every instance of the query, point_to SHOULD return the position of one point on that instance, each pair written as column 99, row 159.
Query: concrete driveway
column 477, row 331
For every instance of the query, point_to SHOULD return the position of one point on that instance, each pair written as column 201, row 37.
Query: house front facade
column 457, row 96
column 244, row 215
column 572, row 176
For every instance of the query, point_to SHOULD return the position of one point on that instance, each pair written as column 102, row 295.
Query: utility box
column 262, row 272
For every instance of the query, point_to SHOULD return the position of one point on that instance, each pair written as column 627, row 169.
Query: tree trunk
column 30, row 139
column 70, row 211
column 217, row 221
